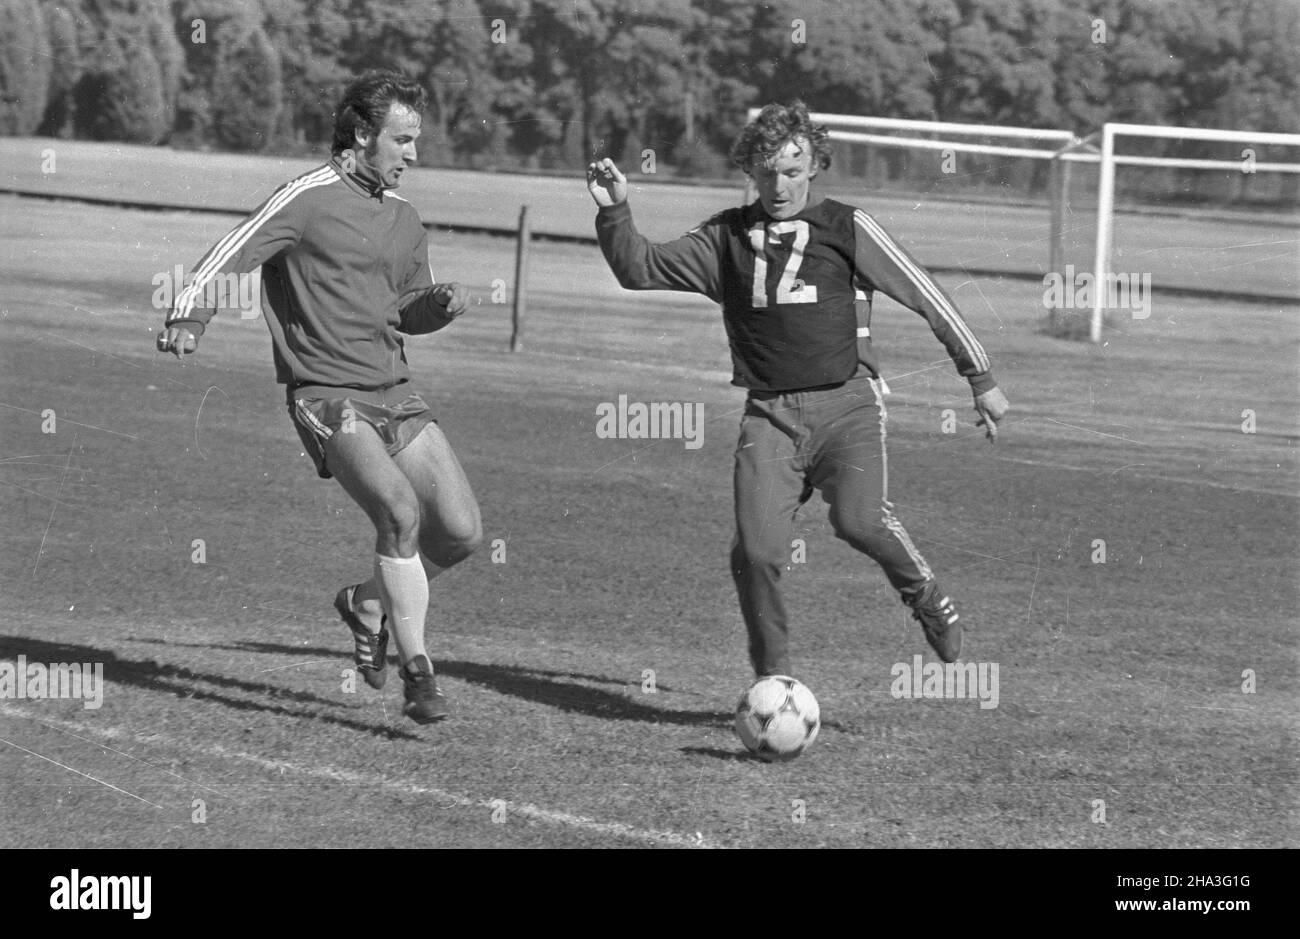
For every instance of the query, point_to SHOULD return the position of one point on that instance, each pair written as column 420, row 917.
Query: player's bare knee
column 471, row 540
column 397, row 520
column 456, row 544
column 469, row 531
column 460, row 550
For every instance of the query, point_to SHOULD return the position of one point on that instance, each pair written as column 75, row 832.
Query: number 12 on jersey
column 790, row 289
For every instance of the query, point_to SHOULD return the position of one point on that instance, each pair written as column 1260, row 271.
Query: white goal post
column 1060, row 147
column 1109, row 159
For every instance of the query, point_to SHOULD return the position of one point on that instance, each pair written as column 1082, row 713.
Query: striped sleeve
column 268, row 230
column 689, row 263
column 883, row 265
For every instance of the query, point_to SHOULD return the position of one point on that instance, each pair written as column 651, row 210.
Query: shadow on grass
column 567, row 691
column 559, row 690
column 738, row 755
column 182, row 682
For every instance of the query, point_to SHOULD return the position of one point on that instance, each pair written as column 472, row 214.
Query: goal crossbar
column 960, row 146
column 1033, row 153
column 1201, row 133
column 938, row 127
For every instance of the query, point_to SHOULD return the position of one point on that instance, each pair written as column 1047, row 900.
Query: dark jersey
column 794, row 292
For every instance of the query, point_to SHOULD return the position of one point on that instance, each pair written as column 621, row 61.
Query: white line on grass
column 78, row 772
column 527, row 810
column 122, row 753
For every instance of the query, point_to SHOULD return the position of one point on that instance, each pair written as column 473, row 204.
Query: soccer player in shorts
column 345, row 270
column 794, row 273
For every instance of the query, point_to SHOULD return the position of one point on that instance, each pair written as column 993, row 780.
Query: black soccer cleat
column 371, row 649
column 425, row 703
column 937, row 615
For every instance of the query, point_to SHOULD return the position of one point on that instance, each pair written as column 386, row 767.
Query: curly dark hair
column 365, row 104
column 775, row 126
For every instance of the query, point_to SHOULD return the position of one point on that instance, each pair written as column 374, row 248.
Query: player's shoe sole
column 425, row 703
column 933, row 609
column 370, row 650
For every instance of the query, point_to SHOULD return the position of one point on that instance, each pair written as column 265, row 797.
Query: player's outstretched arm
column 689, row 263
column 992, row 407
column 606, row 183
column 274, row 226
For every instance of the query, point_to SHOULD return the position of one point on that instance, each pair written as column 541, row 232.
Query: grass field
column 1120, row 681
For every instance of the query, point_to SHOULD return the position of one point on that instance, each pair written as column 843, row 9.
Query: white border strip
column 527, row 810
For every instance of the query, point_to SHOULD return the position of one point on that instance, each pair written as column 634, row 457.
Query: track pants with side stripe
column 831, row 440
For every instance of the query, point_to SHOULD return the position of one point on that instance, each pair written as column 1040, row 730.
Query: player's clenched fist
column 453, row 296
column 606, row 184
column 992, row 407
column 177, row 340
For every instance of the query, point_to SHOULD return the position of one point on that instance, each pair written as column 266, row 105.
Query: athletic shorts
column 397, row 414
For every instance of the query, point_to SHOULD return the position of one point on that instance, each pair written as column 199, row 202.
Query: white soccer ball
column 777, row 718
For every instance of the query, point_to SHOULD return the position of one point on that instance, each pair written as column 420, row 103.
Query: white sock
column 370, row 609
column 405, row 594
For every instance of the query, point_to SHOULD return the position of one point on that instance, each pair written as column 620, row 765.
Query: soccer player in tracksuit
column 345, row 270
column 794, row 274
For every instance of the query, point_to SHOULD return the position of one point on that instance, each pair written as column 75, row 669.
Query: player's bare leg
column 362, row 465
column 360, row 462
column 447, row 530
column 450, row 528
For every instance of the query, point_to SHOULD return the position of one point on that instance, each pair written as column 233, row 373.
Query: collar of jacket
column 360, row 180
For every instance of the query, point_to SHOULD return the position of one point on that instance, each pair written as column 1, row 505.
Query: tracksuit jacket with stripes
column 795, row 293
column 345, row 269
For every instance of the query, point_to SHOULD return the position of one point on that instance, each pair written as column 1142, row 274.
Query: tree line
column 549, row 83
